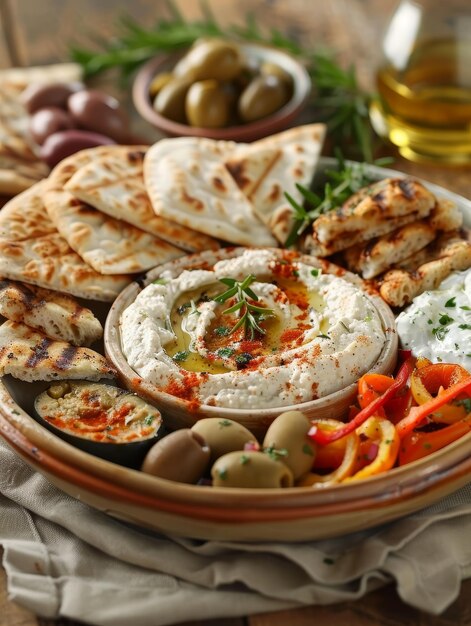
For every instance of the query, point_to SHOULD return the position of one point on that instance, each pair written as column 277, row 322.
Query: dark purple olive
column 99, row 112
column 64, row 143
column 47, row 121
column 38, row 95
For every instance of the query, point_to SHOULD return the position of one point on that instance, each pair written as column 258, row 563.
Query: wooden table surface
column 350, row 27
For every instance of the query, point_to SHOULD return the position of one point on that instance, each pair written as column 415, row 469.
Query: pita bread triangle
column 268, row 168
column 109, row 245
column 32, row 251
column 189, row 184
column 114, row 184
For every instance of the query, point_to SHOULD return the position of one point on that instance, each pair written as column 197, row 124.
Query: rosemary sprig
column 342, row 183
column 250, row 314
column 337, row 97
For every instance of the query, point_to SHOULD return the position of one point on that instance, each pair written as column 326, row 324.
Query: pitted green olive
column 251, row 470
column 272, row 69
column 262, row 97
column 288, row 433
column 170, row 101
column 222, row 435
column 207, row 105
column 182, row 456
column 158, row 82
column 214, row 58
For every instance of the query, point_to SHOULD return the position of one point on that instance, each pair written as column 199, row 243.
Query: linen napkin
column 64, row 558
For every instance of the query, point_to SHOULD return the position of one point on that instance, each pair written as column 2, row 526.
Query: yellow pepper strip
column 347, row 465
column 382, row 432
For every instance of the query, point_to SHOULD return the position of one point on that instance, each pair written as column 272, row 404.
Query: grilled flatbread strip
column 385, row 201
column 32, row 251
column 188, row 183
column 347, row 239
column 426, row 269
column 377, row 255
column 29, row 355
column 109, row 245
column 56, row 315
column 114, row 184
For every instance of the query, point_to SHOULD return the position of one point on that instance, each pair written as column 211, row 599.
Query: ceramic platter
column 295, row 514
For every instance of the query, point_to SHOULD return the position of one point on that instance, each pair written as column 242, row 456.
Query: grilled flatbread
column 114, row 184
column 109, row 245
column 56, row 315
column 187, row 182
column 377, row 255
column 267, row 168
column 32, row 251
column 426, row 269
column 29, row 355
column 381, row 208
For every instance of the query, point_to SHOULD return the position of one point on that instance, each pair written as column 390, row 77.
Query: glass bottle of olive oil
column 424, row 83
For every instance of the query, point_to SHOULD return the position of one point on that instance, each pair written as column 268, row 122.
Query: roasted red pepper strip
column 418, row 413
column 416, row 445
column 321, row 437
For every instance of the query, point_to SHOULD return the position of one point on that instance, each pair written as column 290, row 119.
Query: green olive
column 170, row 101
column 250, row 469
column 288, row 433
column 272, row 69
column 262, row 97
column 222, row 435
column 182, row 456
column 214, row 58
column 158, row 82
column 207, row 105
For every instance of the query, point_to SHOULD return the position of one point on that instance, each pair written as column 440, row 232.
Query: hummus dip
column 319, row 334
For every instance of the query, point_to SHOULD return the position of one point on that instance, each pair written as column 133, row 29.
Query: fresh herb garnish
column 148, row 420
column 324, row 336
column 244, row 459
column 465, row 308
column 338, row 98
column 465, row 403
column 250, row 314
column 451, row 303
column 465, row 326
column 307, row 449
column 276, row 453
column 225, row 352
column 160, row 281
column 445, row 319
column 315, row 272
column 440, row 332
column 181, row 356
column 222, row 331
column 342, row 183
column 243, row 359
column 224, row 423
column 181, row 309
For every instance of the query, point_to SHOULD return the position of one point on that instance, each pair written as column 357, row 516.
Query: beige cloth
column 66, row 559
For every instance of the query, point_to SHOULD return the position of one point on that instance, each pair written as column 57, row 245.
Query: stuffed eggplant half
column 100, row 419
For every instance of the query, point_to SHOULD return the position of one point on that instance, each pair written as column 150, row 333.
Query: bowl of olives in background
column 222, row 90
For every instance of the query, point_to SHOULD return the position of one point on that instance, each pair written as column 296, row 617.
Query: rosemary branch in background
column 342, row 183
column 338, row 99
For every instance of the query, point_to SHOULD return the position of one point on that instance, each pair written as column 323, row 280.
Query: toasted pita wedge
column 426, row 269
column 29, row 355
column 379, row 254
column 109, row 245
column 188, row 183
column 375, row 213
column 268, row 168
column 114, row 184
column 56, row 315
column 32, row 251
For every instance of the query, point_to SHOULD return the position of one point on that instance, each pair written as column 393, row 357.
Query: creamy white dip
column 323, row 334
column 437, row 325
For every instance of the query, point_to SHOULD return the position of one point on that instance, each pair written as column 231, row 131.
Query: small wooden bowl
column 274, row 123
column 177, row 412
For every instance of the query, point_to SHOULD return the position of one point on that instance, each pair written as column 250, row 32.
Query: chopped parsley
column 225, row 352
column 445, row 319
column 368, row 318
column 224, row 423
column 160, row 281
column 244, row 459
column 148, row 420
column 465, row 326
column 307, row 449
column 222, row 331
column 244, row 358
column 465, row 403
column 315, row 272
column 181, row 356
column 451, row 303
column 322, row 336
column 465, row 308
column 276, row 453
column 222, row 474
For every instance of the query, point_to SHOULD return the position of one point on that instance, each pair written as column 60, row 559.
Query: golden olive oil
column 425, row 108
